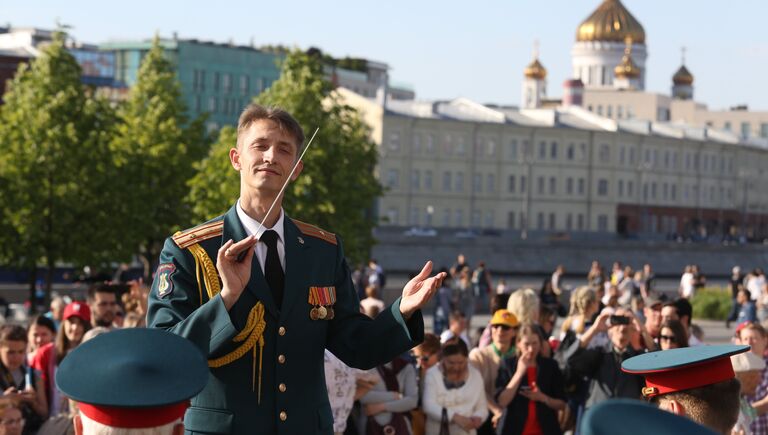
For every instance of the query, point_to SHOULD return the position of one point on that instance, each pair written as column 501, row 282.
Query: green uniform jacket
column 294, row 399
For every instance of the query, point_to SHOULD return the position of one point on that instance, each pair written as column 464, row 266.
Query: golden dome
column 682, row 76
column 535, row 70
column 611, row 22
column 627, row 68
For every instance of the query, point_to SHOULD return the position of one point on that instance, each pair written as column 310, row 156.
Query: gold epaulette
column 189, row 237
column 313, row 231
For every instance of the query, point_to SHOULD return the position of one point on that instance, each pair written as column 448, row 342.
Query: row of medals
column 321, row 312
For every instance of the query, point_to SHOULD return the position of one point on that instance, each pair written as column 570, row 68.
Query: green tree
column 337, row 188
column 156, row 146
column 55, row 167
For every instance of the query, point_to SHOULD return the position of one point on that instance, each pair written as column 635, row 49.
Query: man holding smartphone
column 603, row 366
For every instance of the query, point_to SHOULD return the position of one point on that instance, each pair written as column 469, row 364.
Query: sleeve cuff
column 413, row 327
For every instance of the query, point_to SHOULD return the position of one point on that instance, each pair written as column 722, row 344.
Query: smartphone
column 619, row 320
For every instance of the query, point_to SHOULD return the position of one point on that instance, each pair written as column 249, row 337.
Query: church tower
column 599, row 46
column 534, row 84
column 682, row 82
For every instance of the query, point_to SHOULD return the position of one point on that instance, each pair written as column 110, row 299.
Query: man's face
column 103, row 308
column 11, row 422
column 502, row 335
column 39, row 336
column 669, row 313
column 653, row 319
column 12, row 354
column 264, row 157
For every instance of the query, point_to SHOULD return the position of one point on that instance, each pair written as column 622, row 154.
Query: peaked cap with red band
column 683, row 369
column 133, row 378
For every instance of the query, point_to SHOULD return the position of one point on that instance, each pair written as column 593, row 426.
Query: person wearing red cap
column 697, row 382
column 76, row 321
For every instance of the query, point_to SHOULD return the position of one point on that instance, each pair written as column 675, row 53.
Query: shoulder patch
column 313, row 231
column 187, row 238
column 163, row 278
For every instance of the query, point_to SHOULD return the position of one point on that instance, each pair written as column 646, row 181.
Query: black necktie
column 273, row 271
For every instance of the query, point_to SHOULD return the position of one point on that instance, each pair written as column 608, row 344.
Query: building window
column 198, row 104
column 446, row 181
column 620, row 190
column 416, row 143
column 459, row 218
column 476, row 218
column 511, row 187
column 569, row 222
column 727, row 126
column 673, row 192
column 461, row 147
column 632, row 155
column 609, row 111
column 665, row 191
column 511, row 220
column 622, row 155
column 569, row 186
column 513, row 150
column 415, row 179
column 540, row 221
column 581, row 186
column 393, row 216
column 212, row 104
column 602, row 187
column 542, row 150
column 552, row 186
column 448, row 145
column 216, row 81
column 582, row 151
column 413, row 219
column 551, row 221
column 428, row 180
column 570, row 152
column 764, row 129
column 602, row 223
column 600, row 109
column 523, row 221
column 429, row 143
column 523, row 188
column 227, row 82
column 393, row 176
column 245, row 85
column 477, row 183
column 580, row 222
column 605, row 153
column 653, row 190
column 490, row 148
column 541, row 185
column 459, row 182
column 619, row 112
column 394, row 141
column 490, row 183
column 553, row 151
column 489, row 220
column 630, row 189
column 447, row 217
column 745, row 130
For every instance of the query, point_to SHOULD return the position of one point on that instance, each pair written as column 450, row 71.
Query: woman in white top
column 453, row 393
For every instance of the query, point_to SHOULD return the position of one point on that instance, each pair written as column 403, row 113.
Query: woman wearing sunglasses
column 672, row 335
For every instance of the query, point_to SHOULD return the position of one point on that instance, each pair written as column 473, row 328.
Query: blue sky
column 445, row 49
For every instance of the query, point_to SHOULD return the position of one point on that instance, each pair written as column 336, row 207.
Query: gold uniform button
column 281, row 387
column 281, row 359
column 281, row 330
column 283, row 416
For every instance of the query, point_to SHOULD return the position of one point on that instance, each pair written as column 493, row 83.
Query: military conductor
column 263, row 294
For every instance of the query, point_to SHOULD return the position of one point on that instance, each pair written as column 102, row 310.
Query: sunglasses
column 668, row 338
column 503, row 327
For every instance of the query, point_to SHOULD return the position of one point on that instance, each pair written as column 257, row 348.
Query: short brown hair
column 12, row 333
column 715, row 406
column 431, row 344
column 284, row 120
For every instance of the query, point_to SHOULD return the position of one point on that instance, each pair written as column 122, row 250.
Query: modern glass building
column 220, row 79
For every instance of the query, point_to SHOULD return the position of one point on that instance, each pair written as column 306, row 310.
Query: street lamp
column 430, row 212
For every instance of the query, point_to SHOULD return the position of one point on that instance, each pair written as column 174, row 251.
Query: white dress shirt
column 251, row 225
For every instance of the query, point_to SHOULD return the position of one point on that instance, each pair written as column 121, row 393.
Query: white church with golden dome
column 609, row 57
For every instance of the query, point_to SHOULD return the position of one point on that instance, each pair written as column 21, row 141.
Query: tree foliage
column 337, row 188
column 156, row 146
column 55, row 166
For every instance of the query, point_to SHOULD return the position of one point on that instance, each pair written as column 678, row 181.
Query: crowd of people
column 520, row 375
column 517, row 374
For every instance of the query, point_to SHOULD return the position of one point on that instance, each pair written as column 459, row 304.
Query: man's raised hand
column 419, row 290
